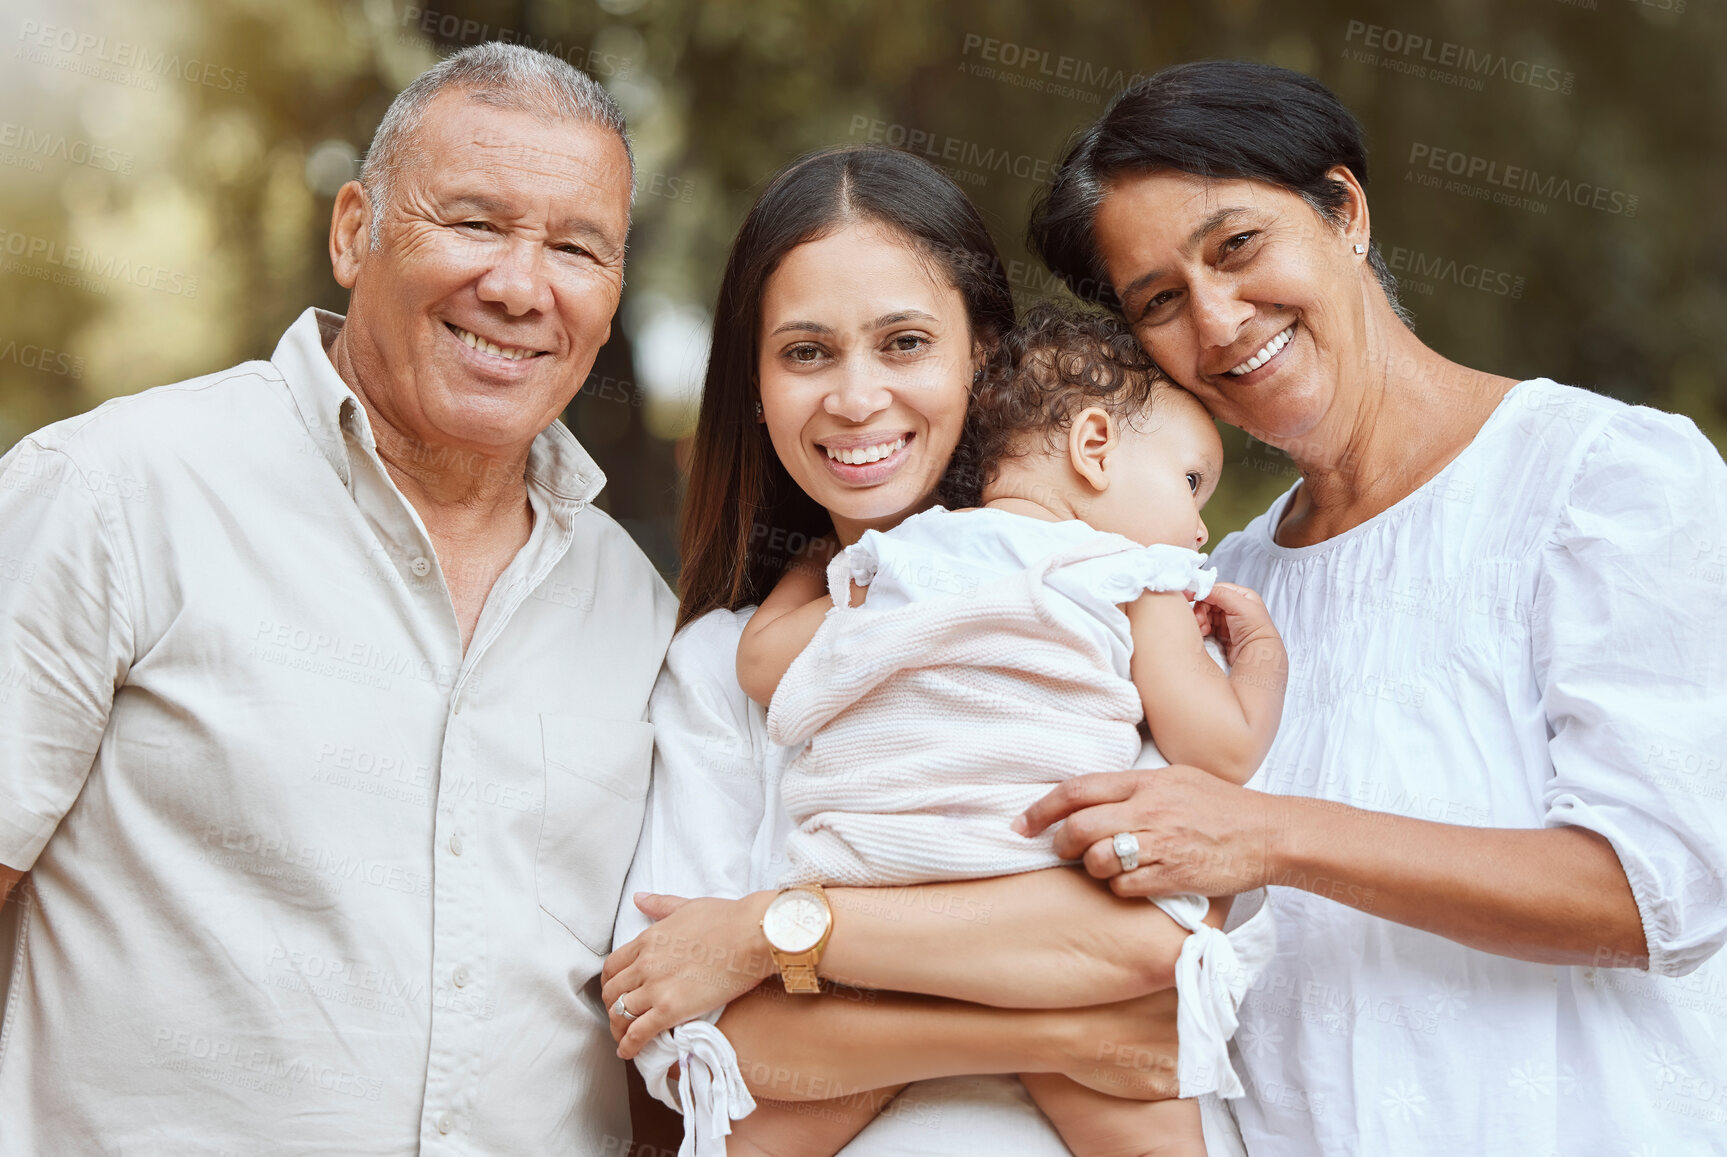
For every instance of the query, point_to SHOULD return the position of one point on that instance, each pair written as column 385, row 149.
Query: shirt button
column 445, row 1122
column 460, row 975
column 456, row 844
column 421, row 566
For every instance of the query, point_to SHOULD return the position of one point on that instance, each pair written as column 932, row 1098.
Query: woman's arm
column 1550, row 895
column 1196, row 713
column 796, row 1048
column 1038, row 940
column 1046, row 939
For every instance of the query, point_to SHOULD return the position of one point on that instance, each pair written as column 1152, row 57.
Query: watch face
column 795, row 921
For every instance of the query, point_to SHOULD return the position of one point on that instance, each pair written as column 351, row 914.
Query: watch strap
column 798, row 974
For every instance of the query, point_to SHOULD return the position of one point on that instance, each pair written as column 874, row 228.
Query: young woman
column 861, row 299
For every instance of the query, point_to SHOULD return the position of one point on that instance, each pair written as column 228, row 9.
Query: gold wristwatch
column 797, row 925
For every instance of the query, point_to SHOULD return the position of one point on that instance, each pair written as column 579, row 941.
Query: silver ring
column 618, row 1009
column 1126, row 846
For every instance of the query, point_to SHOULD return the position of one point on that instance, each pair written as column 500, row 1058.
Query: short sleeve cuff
column 1122, row 576
column 23, row 835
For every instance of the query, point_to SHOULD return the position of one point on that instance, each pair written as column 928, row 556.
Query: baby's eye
column 1193, row 482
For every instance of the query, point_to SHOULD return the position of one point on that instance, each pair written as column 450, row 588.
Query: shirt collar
column 557, row 464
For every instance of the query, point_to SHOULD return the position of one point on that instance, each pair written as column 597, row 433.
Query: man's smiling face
column 499, row 266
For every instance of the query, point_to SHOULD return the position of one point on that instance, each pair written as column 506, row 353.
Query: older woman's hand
column 1197, row 833
column 698, row 956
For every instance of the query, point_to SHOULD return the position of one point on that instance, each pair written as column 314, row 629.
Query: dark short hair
column 1058, row 362
column 1226, row 119
column 743, row 515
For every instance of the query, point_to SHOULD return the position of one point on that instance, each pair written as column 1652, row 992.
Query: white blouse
column 1536, row 637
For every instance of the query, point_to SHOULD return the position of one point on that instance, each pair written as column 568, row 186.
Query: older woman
column 860, row 300
column 1494, row 812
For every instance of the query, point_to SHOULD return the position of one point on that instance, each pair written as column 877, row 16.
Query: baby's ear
column 1090, row 439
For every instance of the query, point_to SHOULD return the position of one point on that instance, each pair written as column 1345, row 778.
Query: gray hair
column 506, row 76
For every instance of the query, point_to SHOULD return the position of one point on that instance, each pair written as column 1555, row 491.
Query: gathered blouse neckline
column 1267, row 532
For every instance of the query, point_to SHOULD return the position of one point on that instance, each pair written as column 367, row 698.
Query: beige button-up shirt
column 305, row 877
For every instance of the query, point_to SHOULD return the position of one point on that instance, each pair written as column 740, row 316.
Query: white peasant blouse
column 1536, row 637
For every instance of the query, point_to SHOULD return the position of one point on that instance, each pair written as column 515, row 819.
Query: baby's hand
column 1235, row 616
column 1201, row 614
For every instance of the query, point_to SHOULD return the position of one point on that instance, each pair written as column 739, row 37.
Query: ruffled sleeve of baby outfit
column 1122, row 576
column 857, row 563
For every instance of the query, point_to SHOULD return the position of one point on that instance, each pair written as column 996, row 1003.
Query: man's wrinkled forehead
column 462, row 135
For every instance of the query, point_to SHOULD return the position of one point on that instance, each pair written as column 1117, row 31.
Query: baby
column 950, row 670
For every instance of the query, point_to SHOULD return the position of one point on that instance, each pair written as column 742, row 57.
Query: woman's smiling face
column 1242, row 293
column 865, row 362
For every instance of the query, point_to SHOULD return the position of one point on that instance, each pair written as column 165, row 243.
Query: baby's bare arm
column 786, row 621
column 806, row 1128
column 1196, row 713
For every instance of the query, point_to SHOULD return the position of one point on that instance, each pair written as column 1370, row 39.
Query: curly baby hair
column 1056, row 363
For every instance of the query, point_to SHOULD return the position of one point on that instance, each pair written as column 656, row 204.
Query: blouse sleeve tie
column 711, row 1094
column 1212, row 974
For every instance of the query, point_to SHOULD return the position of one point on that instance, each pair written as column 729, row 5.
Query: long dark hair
column 743, row 515
column 1210, row 118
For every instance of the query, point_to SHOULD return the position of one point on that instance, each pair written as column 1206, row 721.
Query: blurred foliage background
column 1548, row 176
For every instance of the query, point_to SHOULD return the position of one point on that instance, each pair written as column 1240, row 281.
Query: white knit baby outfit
column 989, row 662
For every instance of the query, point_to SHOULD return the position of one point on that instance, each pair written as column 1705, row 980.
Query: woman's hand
column 698, row 956
column 1197, row 833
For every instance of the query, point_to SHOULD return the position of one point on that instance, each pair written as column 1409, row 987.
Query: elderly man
column 323, row 685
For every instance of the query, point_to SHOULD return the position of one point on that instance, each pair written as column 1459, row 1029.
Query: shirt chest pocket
column 596, row 792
